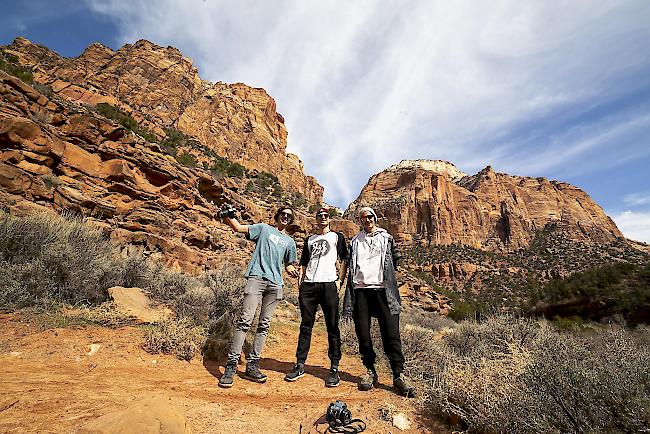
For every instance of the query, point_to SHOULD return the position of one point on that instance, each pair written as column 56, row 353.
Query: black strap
column 349, row 428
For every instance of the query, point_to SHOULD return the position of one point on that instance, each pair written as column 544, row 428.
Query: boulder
column 134, row 302
column 148, row 416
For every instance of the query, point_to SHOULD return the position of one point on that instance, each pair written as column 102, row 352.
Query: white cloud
column 634, row 225
column 637, row 199
column 363, row 84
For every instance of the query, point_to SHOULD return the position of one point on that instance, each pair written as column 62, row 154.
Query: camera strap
column 355, row 426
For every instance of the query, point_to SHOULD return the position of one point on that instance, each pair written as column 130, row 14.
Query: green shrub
column 223, row 167
column 117, row 115
column 187, row 160
column 616, row 290
column 9, row 63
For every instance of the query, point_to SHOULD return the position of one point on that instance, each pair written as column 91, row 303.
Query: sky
column 559, row 89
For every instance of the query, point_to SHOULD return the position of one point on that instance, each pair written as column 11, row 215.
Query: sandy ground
column 56, row 380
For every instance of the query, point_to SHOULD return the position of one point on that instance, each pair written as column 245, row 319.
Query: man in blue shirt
column 273, row 247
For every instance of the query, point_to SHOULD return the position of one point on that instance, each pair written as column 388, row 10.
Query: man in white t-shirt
column 319, row 284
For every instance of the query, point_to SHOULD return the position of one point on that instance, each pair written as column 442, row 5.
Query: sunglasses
column 368, row 217
column 323, row 216
column 286, row 214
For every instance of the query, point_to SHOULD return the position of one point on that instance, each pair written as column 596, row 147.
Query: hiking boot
column 333, row 379
column 228, row 376
column 404, row 386
column 297, row 372
column 253, row 373
column 369, row 380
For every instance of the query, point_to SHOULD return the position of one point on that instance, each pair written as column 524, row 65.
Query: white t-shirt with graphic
column 369, row 272
column 319, row 256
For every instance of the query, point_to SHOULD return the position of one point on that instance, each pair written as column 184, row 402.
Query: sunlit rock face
column 433, row 202
column 161, row 88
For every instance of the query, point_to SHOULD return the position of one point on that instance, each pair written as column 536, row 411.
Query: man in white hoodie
column 371, row 291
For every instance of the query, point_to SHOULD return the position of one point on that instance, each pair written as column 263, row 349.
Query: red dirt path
column 50, row 384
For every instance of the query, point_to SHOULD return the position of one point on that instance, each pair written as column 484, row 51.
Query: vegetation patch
column 117, row 115
column 221, row 167
column 9, row 63
column 513, row 375
column 187, row 160
column 48, row 262
column 618, row 290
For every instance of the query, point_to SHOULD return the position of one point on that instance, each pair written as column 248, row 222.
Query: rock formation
column 55, row 155
column 162, row 89
column 432, row 202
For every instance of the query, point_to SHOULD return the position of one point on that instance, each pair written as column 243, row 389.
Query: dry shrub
column 518, row 375
column 45, row 258
column 179, row 337
column 205, row 311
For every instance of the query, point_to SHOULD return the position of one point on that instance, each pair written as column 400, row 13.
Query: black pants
column 370, row 303
column 311, row 296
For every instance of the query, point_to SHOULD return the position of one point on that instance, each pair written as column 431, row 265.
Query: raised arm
column 236, row 226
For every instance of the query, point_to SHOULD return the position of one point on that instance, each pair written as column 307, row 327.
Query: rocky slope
column 59, row 151
column 161, row 89
column 135, row 141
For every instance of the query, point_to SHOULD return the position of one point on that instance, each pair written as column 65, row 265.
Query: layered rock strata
column 432, row 202
column 162, row 89
column 56, row 155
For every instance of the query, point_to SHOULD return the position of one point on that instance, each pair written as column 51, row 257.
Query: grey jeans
column 257, row 290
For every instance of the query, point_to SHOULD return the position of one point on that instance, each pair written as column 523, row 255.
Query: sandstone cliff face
column 162, row 89
column 56, row 155
column 423, row 202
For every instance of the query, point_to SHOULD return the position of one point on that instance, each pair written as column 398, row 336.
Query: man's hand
column 291, row 270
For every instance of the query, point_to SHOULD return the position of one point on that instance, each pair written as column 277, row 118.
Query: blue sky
column 559, row 89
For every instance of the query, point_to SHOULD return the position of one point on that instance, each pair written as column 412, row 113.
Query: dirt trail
column 52, row 382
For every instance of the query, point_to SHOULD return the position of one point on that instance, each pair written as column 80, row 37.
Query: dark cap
column 323, row 210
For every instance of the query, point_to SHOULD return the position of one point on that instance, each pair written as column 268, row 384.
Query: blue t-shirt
column 272, row 249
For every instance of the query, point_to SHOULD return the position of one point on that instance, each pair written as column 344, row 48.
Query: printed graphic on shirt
column 319, row 256
column 320, row 248
column 374, row 246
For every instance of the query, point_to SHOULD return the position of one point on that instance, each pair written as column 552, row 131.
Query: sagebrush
column 513, row 375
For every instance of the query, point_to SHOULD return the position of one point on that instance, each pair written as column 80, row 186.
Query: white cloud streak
column 365, row 84
column 637, row 199
column 634, row 225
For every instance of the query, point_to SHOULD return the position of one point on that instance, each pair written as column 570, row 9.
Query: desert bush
column 187, row 160
column 9, row 63
column 227, row 286
column 223, row 167
column 205, row 307
column 179, row 337
column 518, row 375
column 45, row 258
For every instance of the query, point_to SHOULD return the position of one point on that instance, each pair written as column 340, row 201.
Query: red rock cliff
column 161, row 88
column 432, row 201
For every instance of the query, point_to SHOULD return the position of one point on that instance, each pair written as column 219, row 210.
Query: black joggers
column 369, row 302
column 326, row 296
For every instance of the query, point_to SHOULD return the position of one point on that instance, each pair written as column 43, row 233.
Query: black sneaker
column 297, row 372
column 404, row 386
column 228, row 376
column 253, row 373
column 369, row 380
column 333, row 379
